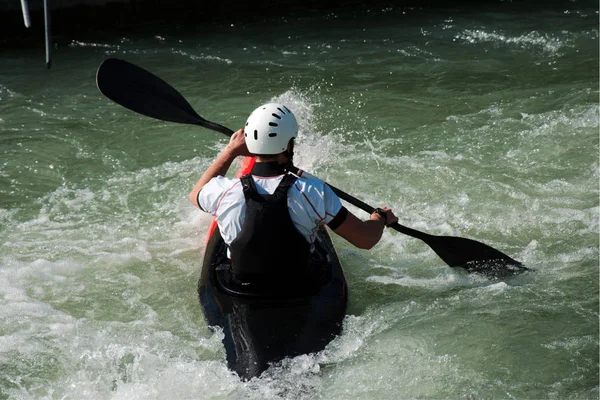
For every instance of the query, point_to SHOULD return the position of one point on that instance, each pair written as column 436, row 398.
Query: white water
column 101, row 250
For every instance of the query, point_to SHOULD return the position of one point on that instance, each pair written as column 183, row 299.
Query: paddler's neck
column 268, row 168
column 272, row 165
column 281, row 158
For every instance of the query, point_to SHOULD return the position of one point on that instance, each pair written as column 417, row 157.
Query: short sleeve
column 339, row 218
column 333, row 204
column 313, row 204
column 211, row 194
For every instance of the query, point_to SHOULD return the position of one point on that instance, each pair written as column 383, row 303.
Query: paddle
column 145, row 93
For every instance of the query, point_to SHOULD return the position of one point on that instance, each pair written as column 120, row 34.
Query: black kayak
column 263, row 327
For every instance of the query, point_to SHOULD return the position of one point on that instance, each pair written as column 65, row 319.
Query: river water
column 478, row 122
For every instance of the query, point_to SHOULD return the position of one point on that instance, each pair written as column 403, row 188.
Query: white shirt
column 310, row 201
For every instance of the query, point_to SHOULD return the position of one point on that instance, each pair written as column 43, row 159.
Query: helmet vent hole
column 276, row 116
column 255, row 134
column 272, row 134
column 273, row 124
column 283, row 112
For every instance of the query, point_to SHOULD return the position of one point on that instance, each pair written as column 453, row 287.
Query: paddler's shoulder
column 305, row 184
column 222, row 183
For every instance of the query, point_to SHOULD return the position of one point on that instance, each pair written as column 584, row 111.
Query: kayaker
column 269, row 218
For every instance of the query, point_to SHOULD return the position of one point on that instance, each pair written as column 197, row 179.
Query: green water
column 475, row 122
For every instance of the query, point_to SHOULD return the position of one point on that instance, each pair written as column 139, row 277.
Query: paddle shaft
column 301, row 173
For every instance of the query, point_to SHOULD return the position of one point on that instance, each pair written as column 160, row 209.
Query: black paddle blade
column 143, row 92
column 473, row 256
column 140, row 91
column 469, row 254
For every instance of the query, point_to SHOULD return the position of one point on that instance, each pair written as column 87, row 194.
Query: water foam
column 531, row 40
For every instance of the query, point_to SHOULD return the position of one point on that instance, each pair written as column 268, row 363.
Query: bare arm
column 220, row 166
column 365, row 234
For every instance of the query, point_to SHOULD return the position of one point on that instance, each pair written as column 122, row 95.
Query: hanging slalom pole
column 48, row 34
column 25, row 8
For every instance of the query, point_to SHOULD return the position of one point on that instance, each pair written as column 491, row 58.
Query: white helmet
column 269, row 129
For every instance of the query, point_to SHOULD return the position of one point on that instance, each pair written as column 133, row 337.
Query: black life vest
column 269, row 250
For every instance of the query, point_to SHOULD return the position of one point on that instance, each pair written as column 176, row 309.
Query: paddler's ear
column 290, row 151
column 290, row 146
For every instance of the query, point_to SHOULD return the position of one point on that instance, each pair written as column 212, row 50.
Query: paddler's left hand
column 237, row 145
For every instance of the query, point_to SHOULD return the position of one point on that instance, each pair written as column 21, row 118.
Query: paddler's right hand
column 385, row 215
column 366, row 234
column 237, row 145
